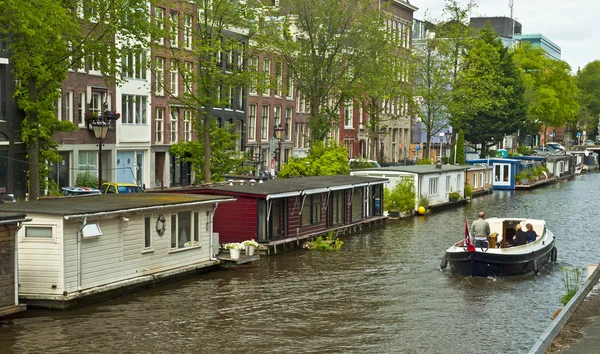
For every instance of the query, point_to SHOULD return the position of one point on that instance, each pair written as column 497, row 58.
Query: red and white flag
column 470, row 246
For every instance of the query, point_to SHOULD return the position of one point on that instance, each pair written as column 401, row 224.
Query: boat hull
column 489, row 264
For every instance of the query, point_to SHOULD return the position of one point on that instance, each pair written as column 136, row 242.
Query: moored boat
column 500, row 257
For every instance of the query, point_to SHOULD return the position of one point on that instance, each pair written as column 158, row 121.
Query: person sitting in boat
column 531, row 235
column 520, row 238
column 480, row 230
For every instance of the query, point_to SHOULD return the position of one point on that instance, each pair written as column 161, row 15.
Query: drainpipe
column 210, row 239
column 19, row 225
column 79, row 254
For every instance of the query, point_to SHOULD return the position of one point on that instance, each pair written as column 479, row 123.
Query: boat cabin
column 506, row 229
column 76, row 249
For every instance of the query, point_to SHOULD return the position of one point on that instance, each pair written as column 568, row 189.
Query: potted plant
column 521, row 177
column 250, row 247
column 400, row 199
column 234, row 249
column 454, row 197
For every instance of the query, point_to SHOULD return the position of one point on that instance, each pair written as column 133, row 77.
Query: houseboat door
column 502, row 173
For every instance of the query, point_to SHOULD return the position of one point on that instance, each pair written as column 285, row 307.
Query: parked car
column 555, row 146
column 542, row 151
column 362, row 163
column 71, row 191
column 589, row 143
column 120, row 187
column 7, row 198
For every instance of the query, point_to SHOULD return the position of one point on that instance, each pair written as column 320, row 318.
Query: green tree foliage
column 48, row 37
column 324, row 45
column 402, row 197
column 222, row 160
column 550, row 90
column 588, row 81
column 322, row 160
column 488, row 99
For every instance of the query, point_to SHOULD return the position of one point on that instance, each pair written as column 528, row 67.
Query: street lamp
column 448, row 146
column 279, row 136
column 100, row 126
column 442, row 135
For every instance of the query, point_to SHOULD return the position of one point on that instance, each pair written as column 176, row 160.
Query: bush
column 86, row 179
column 401, row 197
column 468, row 190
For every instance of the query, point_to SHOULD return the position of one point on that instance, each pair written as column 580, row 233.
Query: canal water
column 382, row 293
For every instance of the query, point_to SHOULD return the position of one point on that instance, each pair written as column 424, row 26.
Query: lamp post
column 448, row 145
column 279, row 136
column 100, row 126
column 442, row 135
column 381, row 151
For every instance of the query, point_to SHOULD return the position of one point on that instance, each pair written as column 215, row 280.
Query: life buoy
column 444, row 262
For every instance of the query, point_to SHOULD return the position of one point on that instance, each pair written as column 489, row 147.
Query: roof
column 296, row 186
column 107, row 203
column 11, row 218
column 421, row 169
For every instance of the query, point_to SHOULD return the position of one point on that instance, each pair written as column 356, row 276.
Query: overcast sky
column 572, row 24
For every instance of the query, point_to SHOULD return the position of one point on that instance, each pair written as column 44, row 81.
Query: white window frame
column 448, row 184
column 264, row 123
column 159, row 127
column 134, row 109
column 148, row 231
column 277, row 115
column 173, row 78
column 288, row 124
column 188, row 21
column 251, row 122
column 81, row 109
column 187, row 82
column 187, row 125
column 173, row 121
column 433, row 185
column 278, row 79
column 159, row 80
column 174, row 29
column 253, row 67
column 290, row 87
column 349, row 115
column 194, row 232
column 159, row 17
column 26, row 238
column 68, row 106
column 267, row 76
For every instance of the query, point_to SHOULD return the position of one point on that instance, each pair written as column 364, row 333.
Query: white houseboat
column 77, row 249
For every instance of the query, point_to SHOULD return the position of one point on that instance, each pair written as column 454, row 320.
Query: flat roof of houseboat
column 423, row 169
column 295, row 184
column 106, row 203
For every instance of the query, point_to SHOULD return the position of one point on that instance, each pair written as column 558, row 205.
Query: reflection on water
column 383, row 292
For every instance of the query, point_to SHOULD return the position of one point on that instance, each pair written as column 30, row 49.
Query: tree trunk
column 206, row 140
column 33, row 147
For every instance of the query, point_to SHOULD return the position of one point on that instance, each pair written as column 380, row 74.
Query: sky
column 571, row 24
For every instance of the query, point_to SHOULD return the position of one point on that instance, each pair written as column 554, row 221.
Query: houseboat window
column 38, row 232
column 338, row 207
column 459, row 183
column 483, row 179
column 475, row 181
column 147, row 232
column 276, row 219
column 174, row 231
column 195, row 238
column 433, row 186
column 357, row 198
column 448, row 186
column 505, row 173
column 311, row 212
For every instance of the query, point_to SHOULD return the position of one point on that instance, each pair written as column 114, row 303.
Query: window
column 337, row 207
column 278, row 79
column 133, row 109
column 267, row 77
column 459, row 182
column 174, row 29
column 448, row 187
column 147, row 232
column 311, row 211
column 475, row 180
column 357, row 201
column 264, row 124
column 159, row 126
column 187, row 32
column 159, row 18
column 159, row 80
column 88, row 161
column 68, row 106
column 253, row 66
column 133, row 65
column 95, row 103
column 38, row 231
column 173, row 82
column 348, row 111
column 289, row 89
column 483, row 179
column 433, row 186
column 81, row 109
column 277, row 115
column 173, row 125
column 187, row 125
column 288, row 124
column 240, row 98
column 251, row 121
column 188, row 77
column 184, row 233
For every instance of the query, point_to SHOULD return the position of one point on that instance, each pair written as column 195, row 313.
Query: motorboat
column 499, row 256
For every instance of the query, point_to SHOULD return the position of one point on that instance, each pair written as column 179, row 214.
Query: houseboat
column 479, row 178
column 77, row 249
column 434, row 182
column 280, row 213
column 504, row 170
column 9, row 276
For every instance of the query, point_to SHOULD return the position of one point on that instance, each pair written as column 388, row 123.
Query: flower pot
column 235, row 254
column 250, row 250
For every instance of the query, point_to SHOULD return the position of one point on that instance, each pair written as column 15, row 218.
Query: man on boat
column 480, row 230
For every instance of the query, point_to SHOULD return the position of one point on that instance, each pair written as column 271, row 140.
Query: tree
column 322, row 160
column 588, row 81
column 488, row 100
column 324, row 44
column 550, row 89
column 48, row 37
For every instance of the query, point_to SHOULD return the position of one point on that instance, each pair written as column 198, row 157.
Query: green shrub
column 401, row 197
column 572, row 282
column 86, row 179
column 468, row 190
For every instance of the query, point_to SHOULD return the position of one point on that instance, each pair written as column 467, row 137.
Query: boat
column 500, row 257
